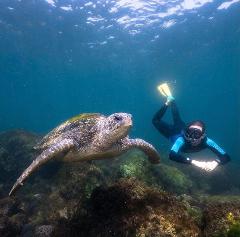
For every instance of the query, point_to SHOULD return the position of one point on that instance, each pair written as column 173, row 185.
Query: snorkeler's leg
column 160, row 113
column 164, row 128
column 176, row 115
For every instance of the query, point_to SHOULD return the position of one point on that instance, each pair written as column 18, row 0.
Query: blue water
column 61, row 58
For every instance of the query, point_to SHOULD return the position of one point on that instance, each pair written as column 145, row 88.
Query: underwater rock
column 173, row 179
column 44, row 231
column 12, row 218
column 8, row 228
column 88, row 199
column 78, row 180
column 9, row 207
column 16, row 152
column 130, row 208
column 56, row 189
column 222, row 217
column 166, row 177
column 135, row 164
column 49, row 200
column 215, row 183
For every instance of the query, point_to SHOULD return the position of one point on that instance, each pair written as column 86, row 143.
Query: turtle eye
column 117, row 118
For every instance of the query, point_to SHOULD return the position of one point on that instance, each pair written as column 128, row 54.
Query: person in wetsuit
column 187, row 138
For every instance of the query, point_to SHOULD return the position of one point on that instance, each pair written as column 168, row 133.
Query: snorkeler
column 186, row 138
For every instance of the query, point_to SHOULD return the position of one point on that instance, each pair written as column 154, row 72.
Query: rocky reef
column 16, row 152
column 130, row 208
column 125, row 196
column 222, row 216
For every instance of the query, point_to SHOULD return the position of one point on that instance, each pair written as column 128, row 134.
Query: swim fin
column 164, row 90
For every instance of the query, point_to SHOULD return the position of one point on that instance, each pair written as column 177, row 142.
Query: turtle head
column 117, row 125
column 113, row 128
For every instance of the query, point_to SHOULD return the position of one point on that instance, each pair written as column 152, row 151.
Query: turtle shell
column 77, row 126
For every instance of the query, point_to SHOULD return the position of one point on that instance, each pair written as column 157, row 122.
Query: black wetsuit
column 174, row 132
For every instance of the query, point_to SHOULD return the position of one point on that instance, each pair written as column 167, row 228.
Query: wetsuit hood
column 194, row 133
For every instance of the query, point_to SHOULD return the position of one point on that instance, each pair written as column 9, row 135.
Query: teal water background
column 61, row 58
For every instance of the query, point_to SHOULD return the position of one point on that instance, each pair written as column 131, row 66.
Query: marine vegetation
column 173, row 179
column 222, row 218
column 234, row 225
column 130, row 208
column 135, row 165
column 16, row 151
column 127, row 197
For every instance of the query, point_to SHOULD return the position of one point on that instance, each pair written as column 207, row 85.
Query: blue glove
column 170, row 99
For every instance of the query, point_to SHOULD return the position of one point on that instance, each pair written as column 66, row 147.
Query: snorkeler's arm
column 175, row 152
column 223, row 157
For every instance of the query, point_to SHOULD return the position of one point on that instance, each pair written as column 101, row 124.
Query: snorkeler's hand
column 170, row 99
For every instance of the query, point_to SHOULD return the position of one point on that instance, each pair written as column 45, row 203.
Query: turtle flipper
column 48, row 154
column 147, row 148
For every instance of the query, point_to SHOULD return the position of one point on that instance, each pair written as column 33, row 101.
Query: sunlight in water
column 133, row 15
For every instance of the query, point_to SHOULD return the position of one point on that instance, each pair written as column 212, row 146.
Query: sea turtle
column 88, row 137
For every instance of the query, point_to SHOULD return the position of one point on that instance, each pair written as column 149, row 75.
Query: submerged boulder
column 136, row 165
column 222, row 216
column 173, row 179
column 121, row 197
column 16, row 152
column 44, row 231
column 130, row 208
column 12, row 218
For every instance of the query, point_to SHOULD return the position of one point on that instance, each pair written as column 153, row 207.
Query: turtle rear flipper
column 147, row 148
column 64, row 146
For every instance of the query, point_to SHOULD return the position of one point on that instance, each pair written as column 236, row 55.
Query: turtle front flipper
column 147, row 148
column 63, row 146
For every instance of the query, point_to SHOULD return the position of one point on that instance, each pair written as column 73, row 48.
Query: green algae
column 174, row 180
column 136, row 165
column 83, row 116
column 233, row 229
